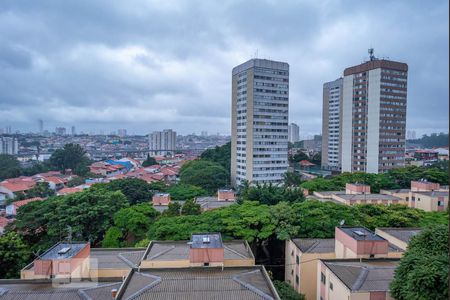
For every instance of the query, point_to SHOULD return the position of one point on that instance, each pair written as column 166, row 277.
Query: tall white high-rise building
column 259, row 132
column 122, row 132
column 162, row 142
column 73, row 131
column 374, row 116
column 293, row 133
column 9, row 145
column 331, row 124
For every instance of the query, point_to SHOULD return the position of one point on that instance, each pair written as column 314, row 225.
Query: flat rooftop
column 124, row 258
column 403, row 234
column 315, row 245
column 361, row 234
column 199, row 283
column 63, row 251
column 365, row 197
column 397, row 191
column 212, row 202
column 179, row 250
column 433, row 193
column 45, row 289
column 366, row 275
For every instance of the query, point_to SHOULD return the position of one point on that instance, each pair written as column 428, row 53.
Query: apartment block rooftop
column 364, row 275
column 198, row 283
column 315, row 245
column 361, row 233
column 403, row 234
column 63, row 251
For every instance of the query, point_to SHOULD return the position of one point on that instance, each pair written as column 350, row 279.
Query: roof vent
column 206, row 240
column 64, row 250
column 359, row 232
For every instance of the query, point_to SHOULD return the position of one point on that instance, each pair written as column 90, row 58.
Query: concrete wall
column 347, row 106
column 373, row 121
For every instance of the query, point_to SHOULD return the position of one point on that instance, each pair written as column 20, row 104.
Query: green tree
column 41, row 189
column 287, row 292
column 423, row 270
column 190, row 208
column 205, row 174
column 220, row 155
column 14, row 255
column 113, row 238
column 10, row 166
column 79, row 180
column 185, row 191
column 134, row 221
column 291, row 179
column 72, row 156
column 150, row 161
column 271, row 194
column 297, row 157
column 173, row 209
column 284, row 218
column 135, row 190
column 88, row 214
column 35, row 168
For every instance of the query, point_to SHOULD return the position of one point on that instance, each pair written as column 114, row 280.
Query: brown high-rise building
column 373, row 119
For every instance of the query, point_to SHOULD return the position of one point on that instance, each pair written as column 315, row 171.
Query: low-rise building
column 161, row 199
column 361, row 279
column 399, row 237
column 357, row 189
column 368, row 199
column 429, row 201
column 226, row 195
column 302, row 255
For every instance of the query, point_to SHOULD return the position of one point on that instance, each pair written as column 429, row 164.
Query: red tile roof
column 17, row 186
column 4, row 221
column 69, row 190
column 305, row 163
column 20, row 203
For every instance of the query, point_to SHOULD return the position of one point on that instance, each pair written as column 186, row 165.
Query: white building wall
column 373, row 121
column 347, row 106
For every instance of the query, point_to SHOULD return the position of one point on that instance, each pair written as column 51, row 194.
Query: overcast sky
column 150, row 65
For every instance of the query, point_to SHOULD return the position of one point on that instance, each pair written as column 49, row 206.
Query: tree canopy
column 205, row 174
column 150, row 161
column 10, row 166
column 135, row 190
column 72, row 156
column 220, row 155
column 423, row 269
column 185, row 191
column 14, row 255
column 270, row 194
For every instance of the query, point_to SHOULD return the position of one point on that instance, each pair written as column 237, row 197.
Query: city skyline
column 91, row 79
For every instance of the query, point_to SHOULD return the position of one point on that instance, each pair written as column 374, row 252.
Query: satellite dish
column 342, row 222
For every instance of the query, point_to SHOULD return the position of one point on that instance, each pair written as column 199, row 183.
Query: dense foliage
column 82, row 216
column 14, row 255
column 72, row 156
column 287, row 292
column 150, row 161
column 270, row 194
column 10, row 166
column 130, row 224
column 397, row 178
column 220, row 155
column 297, row 157
column 135, row 190
column 423, row 270
column 185, row 191
column 433, row 140
column 205, row 174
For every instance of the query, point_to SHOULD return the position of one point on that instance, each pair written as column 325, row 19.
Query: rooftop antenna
column 256, row 53
column 372, row 57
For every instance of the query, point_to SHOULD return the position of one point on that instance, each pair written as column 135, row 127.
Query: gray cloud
column 147, row 65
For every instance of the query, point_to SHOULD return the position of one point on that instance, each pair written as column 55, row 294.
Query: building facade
column 9, row 145
column 374, row 116
column 259, row 139
column 331, row 124
column 294, row 133
column 162, row 142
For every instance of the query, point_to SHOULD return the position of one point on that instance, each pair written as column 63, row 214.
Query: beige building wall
column 306, row 270
column 233, row 129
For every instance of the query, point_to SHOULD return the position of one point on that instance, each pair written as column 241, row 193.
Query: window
column 292, row 272
column 292, row 253
column 296, row 279
column 322, row 278
column 331, row 285
column 297, row 260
